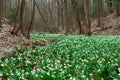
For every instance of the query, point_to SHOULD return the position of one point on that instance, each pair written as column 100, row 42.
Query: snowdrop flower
column 119, row 69
column 28, row 61
column 33, row 72
column 83, row 76
column 1, row 74
column 119, row 74
column 91, row 75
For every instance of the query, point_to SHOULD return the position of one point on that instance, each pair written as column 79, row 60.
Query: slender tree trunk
column 21, row 18
column 0, row 22
column 32, row 19
column 42, row 17
column 118, row 7
column 109, row 6
column 87, row 16
column 16, row 15
column 1, row 12
column 77, row 16
column 66, row 17
column 99, row 13
column 62, row 14
column 58, row 13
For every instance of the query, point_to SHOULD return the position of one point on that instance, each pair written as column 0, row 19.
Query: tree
column 42, row 16
column 118, row 7
column 1, row 12
column 99, row 13
column 21, row 18
column 0, row 23
column 15, row 18
column 87, row 16
column 66, row 15
column 109, row 5
column 32, row 19
column 77, row 15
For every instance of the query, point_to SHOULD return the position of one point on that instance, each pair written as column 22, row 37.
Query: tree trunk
column 32, row 19
column 118, row 7
column 109, row 6
column 87, row 16
column 1, row 12
column 39, row 10
column 0, row 22
column 99, row 13
column 62, row 15
column 77, row 16
column 66, row 17
column 21, row 18
column 16, row 15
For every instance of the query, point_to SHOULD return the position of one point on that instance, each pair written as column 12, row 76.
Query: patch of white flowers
column 71, row 58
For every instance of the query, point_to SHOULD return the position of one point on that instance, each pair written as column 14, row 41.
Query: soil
column 8, row 42
column 111, row 22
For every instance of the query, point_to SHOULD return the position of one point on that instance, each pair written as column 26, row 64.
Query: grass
column 68, row 58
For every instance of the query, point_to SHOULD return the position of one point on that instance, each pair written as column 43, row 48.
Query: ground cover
column 65, row 58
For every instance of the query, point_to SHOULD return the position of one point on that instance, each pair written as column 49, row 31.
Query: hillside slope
column 9, row 41
column 110, row 21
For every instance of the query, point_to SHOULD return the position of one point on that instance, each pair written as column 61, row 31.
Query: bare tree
column 42, row 16
column 15, row 18
column 66, row 16
column 21, row 18
column 1, row 12
column 77, row 16
column 118, row 7
column 87, row 16
column 99, row 13
column 32, row 19
column 109, row 5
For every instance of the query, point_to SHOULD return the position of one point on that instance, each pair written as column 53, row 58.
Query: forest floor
column 67, row 57
column 8, row 42
column 111, row 22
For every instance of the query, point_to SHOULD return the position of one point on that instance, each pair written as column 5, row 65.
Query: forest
column 59, row 39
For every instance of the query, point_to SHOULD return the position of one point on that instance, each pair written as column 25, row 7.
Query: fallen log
column 101, row 29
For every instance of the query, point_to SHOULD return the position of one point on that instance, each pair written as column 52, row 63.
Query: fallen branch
column 101, row 29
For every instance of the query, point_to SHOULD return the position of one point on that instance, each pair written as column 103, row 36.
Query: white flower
column 1, row 74
column 91, row 74
column 108, row 62
column 28, row 61
column 116, row 64
column 48, row 73
column 2, row 65
column 119, row 74
column 99, row 70
column 83, row 76
column 33, row 72
column 74, row 78
column 119, row 69
column 38, row 70
column 70, row 78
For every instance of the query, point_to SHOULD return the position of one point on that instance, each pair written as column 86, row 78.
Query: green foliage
column 69, row 58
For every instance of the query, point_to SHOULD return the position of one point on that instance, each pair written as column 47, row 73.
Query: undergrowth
column 67, row 58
